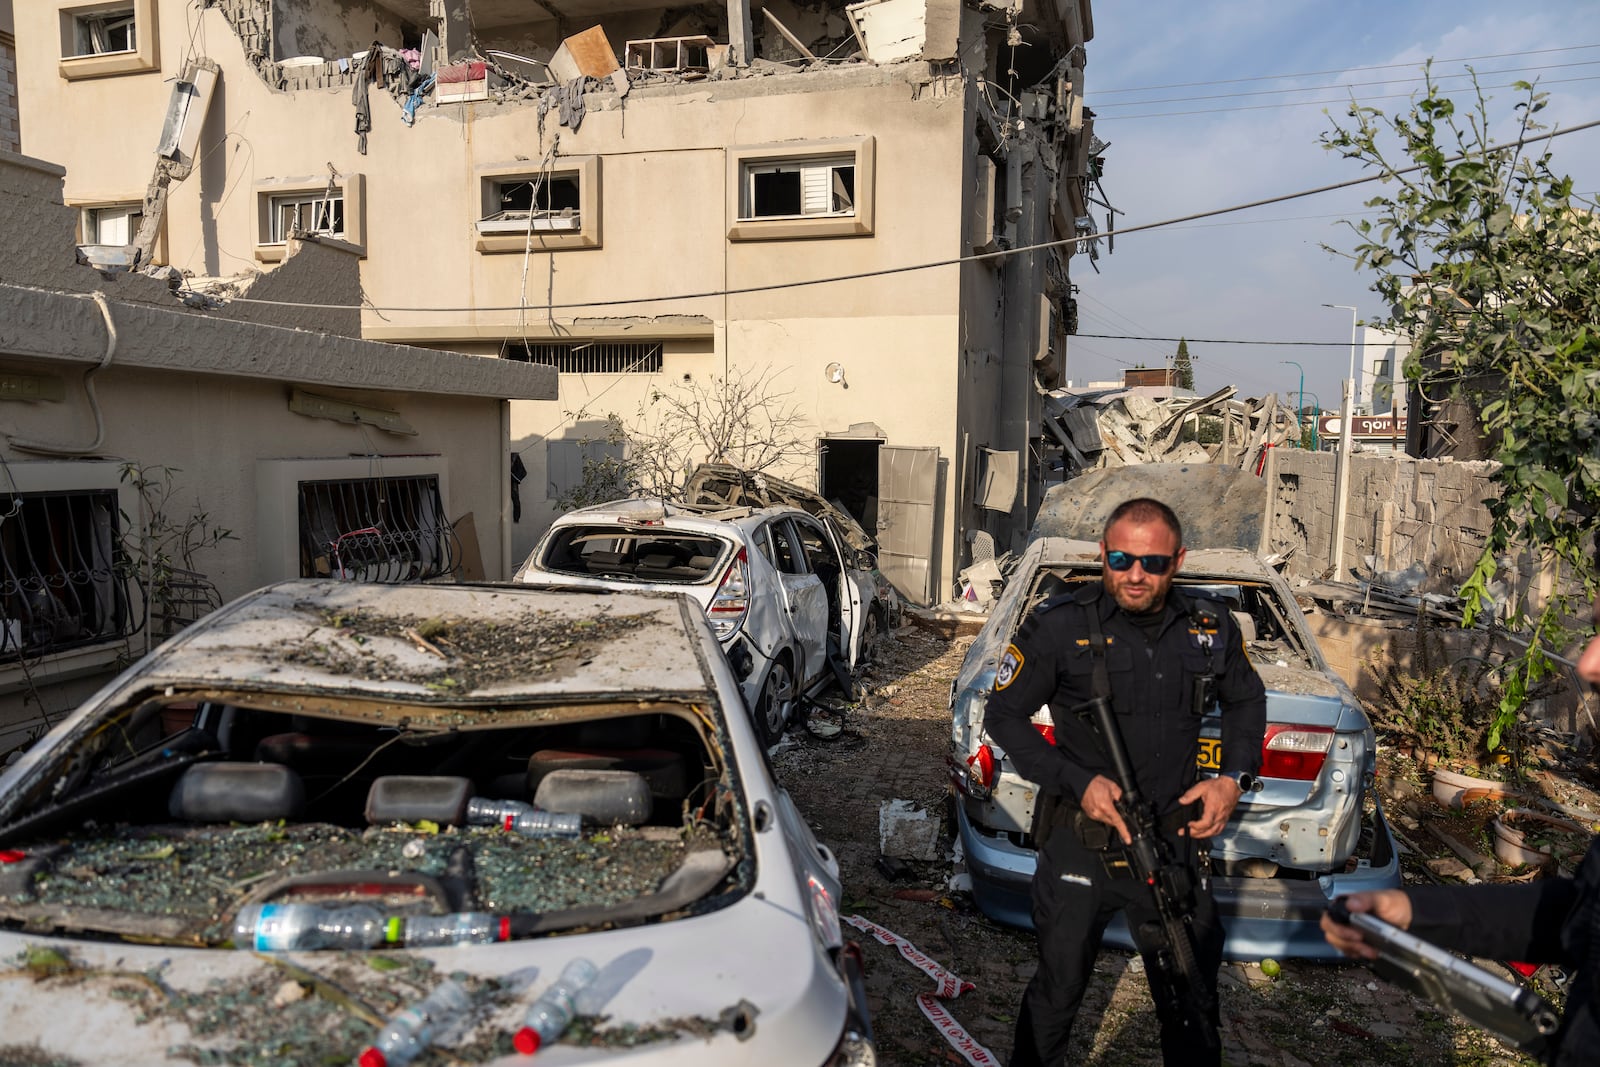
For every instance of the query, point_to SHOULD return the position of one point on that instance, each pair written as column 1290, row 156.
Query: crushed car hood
column 667, row 994
column 723, row 483
column 443, row 643
column 1220, row 507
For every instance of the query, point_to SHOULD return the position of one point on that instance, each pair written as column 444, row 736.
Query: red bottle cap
column 526, row 1040
column 371, row 1057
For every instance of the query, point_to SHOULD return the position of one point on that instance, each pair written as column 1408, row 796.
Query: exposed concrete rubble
column 1111, row 428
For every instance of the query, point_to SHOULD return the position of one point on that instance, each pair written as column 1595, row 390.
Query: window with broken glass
column 532, row 202
column 62, row 585
column 306, row 213
column 105, row 31
column 376, row 530
column 808, row 188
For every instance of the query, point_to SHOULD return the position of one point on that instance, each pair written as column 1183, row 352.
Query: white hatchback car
column 325, row 746
column 785, row 594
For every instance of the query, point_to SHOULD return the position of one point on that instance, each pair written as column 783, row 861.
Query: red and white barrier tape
column 950, row 986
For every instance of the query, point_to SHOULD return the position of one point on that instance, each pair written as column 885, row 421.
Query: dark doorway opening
column 847, row 475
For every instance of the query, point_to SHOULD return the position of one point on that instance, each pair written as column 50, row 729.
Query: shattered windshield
column 654, row 555
column 185, row 819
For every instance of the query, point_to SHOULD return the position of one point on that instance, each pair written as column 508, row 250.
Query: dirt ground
column 893, row 746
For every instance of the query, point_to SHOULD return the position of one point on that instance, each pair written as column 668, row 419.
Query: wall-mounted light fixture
column 835, row 374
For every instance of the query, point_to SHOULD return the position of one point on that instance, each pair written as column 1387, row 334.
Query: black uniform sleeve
column 1503, row 922
column 1244, row 703
column 1024, row 681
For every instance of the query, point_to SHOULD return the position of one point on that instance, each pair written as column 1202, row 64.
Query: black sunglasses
column 1118, row 560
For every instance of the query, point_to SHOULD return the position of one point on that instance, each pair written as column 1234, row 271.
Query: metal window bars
column 64, row 582
column 589, row 357
column 390, row 530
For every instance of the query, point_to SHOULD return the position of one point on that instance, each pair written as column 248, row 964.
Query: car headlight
column 854, row 1050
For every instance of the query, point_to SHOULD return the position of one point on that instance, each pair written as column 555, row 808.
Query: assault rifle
column 1176, row 983
column 1516, row 1015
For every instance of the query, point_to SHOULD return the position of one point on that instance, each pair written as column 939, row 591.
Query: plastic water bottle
column 407, row 1033
column 297, row 927
column 462, row 928
column 522, row 818
column 550, row 1015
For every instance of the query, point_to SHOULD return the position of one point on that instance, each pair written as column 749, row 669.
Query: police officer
column 1160, row 651
column 1552, row 920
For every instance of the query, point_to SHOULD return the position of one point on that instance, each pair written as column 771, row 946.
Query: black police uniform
column 1552, row 920
column 1154, row 665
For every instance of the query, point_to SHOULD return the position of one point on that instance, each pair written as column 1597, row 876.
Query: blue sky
column 1263, row 274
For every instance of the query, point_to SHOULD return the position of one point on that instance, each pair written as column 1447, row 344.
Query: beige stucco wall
column 663, row 176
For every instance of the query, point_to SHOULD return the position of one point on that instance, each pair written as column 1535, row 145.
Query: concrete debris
column 1121, row 426
column 907, row 832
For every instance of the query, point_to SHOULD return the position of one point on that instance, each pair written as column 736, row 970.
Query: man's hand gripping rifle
column 1175, row 982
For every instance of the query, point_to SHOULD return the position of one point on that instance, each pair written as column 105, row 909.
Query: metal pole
column 1341, row 487
column 1300, row 408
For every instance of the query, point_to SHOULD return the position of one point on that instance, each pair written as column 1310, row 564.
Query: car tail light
column 1294, row 752
column 980, row 770
column 732, row 599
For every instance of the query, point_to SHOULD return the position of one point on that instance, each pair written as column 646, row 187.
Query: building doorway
column 847, row 475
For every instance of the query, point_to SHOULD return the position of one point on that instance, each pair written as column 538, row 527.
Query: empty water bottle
column 407, row 1033
column 550, row 1015
column 298, row 927
column 462, row 928
column 481, row 811
column 523, row 818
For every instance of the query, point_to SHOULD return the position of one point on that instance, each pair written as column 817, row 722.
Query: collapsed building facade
column 639, row 195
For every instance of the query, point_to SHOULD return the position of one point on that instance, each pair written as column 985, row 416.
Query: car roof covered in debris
column 724, row 483
column 1219, row 506
column 447, row 644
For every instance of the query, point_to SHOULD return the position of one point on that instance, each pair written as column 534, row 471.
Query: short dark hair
column 1143, row 509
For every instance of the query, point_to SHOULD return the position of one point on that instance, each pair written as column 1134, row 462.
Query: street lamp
column 1316, row 440
column 1300, row 409
column 1341, row 486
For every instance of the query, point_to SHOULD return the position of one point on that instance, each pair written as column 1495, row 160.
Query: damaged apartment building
column 872, row 204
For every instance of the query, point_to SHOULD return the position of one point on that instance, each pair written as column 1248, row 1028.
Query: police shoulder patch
column 1010, row 664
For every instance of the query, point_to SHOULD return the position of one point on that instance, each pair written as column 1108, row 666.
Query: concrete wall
column 10, row 135
column 1401, row 510
column 318, row 28
column 103, row 373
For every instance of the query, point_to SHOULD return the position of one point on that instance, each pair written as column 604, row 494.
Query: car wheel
column 776, row 702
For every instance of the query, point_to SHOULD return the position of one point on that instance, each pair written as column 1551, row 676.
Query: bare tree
column 743, row 418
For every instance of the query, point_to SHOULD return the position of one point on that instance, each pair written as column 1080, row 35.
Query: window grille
column 376, row 530
column 64, row 583
column 589, row 357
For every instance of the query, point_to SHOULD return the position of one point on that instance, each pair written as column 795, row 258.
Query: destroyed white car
column 326, row 749
column 786, row 595
column 1311, row 829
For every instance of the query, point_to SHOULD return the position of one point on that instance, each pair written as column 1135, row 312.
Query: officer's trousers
column 1073, row 899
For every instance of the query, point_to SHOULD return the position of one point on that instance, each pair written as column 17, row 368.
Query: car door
column 805, row 599
column 827, row 554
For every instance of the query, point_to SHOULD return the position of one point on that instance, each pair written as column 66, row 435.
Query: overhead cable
column 933, row 264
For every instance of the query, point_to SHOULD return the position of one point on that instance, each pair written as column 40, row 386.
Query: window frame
column 278, row 484
column 270, row 192
column 143, row 57
column 745, row 161
column 34, row 477
column 492, row 177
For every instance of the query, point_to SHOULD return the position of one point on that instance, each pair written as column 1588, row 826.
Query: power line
column 1323, row 103
column 933, row 264
column 1347, row 70
column 1233, row 341
column 1100, row 106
